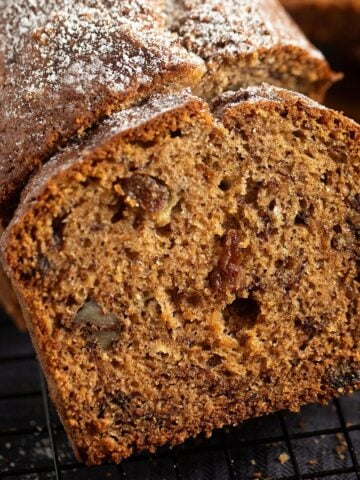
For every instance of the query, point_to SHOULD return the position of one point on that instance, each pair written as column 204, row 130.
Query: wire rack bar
column 287, row 437
column 57, row 468
column 347, row 438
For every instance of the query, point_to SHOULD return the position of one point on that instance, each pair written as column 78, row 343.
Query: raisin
column 148, row 193
column 227, row 271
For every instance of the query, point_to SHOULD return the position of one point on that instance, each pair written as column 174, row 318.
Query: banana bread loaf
column 65, row 65
column 183, row 269
column 247, row 42
column 331, row 24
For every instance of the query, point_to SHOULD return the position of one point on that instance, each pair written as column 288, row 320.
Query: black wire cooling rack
column 319, row 442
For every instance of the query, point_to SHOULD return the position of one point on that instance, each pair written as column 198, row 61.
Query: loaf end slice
column 247, row 42
column 186, row 268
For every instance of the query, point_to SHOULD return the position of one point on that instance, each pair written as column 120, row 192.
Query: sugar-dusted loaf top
column 229, row 27
column 264, row 92
column 78, row 43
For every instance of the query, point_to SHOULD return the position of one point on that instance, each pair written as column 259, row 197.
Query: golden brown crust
column 196, row 263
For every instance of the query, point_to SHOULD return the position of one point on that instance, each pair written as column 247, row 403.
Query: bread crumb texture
column 183, row 267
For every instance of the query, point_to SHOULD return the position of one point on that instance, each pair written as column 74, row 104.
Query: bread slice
column 182, row 268
column 331, row 24
column 248, row 42
column 64, row 66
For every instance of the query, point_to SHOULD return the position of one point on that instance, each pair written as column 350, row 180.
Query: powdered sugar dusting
column 276, row 94
column 80, row 42
column 229, row 27
column 264, row 92
column 137, row 116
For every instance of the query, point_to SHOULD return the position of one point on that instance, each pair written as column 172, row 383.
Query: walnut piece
column 105, row 339
column 91, row 313
column 164, row 215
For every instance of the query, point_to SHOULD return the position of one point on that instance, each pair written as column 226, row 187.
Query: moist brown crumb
column 139, row 347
